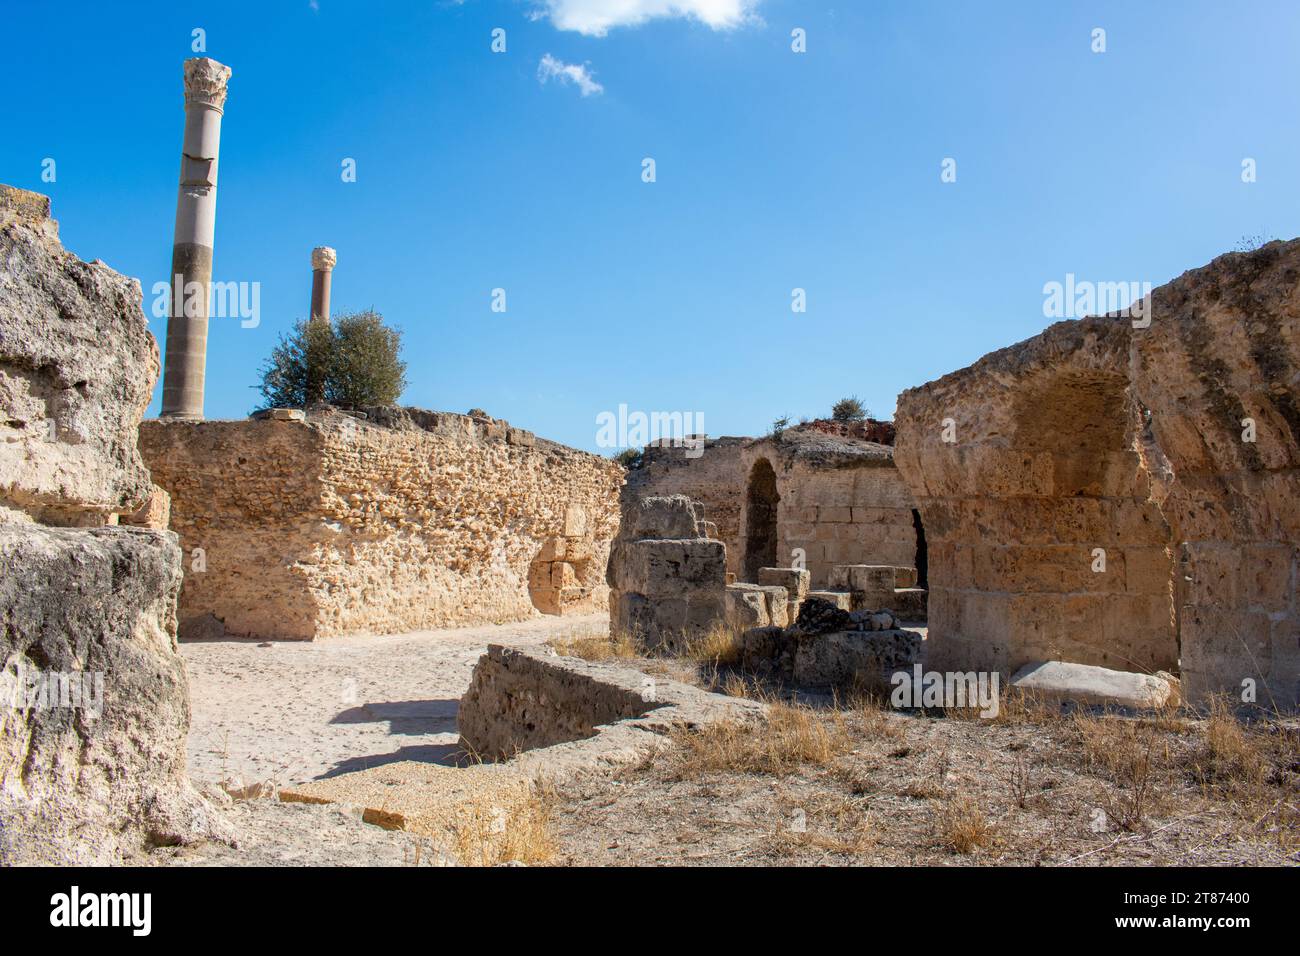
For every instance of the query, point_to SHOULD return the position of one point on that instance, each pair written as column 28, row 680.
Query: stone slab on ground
column 1091, row 685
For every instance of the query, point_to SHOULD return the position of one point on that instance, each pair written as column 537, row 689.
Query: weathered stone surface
column 75, row 787
column 667, row 583
column 555, row 717
column 1086, row 684
column 820, row 616
column 155, row 513
column 794, row 580
column 1043, row 471
column 845, row 658
column 653, row 567
column 94, row 707
column 837, row 599
column 77, row 367
column 406, row 520
column 754, row 605
column 832, row 491
column 1174, row 449
column 459, row 809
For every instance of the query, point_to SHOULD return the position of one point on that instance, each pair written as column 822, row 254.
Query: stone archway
column 761, row 499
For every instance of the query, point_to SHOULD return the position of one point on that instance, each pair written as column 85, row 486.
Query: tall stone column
column 196, row 215
column 323, row 260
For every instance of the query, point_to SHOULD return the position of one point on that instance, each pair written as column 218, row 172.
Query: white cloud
column 597, row 17
column 577, row 74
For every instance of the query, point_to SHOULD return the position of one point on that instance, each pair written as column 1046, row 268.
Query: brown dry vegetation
column 830, row 782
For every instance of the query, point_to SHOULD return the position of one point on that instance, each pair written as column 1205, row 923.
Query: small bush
column 351, row 361
column 849, row 410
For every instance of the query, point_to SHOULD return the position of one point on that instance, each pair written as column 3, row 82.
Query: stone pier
column 323, row 261
column 196, row 211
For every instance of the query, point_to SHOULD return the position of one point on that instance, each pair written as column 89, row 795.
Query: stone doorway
column 761, row 500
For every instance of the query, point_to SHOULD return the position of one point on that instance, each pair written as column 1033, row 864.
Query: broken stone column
column 196, row 216
column 323, row 260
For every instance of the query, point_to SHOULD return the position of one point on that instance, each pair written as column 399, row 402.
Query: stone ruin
column 669, row 592
column 319, row 523
column 1125, row 496
column 823, row 497
column 94, row 707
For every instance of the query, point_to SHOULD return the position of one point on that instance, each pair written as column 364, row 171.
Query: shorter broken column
column 323, row 261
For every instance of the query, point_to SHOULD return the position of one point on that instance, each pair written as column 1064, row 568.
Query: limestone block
column 667, row 567
column 1089, row 685
column 840, row 599
column 563, row 575
column 794, row 580
column 904, row 577
column 575, row 521
column 753, row 605
column 672, row 516
column 873, row 579
column 843, row 658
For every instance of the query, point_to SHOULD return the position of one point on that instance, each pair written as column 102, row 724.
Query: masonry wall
column 1174, row 447
column 335, row 526
column 840, row 498
column 1043, row 542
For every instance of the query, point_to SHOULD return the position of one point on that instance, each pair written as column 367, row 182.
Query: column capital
column 205, row 82
column 323, row 259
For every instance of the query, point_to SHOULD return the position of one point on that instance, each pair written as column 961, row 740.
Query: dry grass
column 596, row 647
column 720, row 645
column 523, row 835
column 961, row 826
column 794, row 736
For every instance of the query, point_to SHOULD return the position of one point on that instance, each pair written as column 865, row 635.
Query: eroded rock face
column 94, row 708
column 77, row 367
column 1089, row 495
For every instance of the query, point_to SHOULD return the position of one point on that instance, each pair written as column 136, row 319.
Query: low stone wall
column 301, row 529
column 555, row 716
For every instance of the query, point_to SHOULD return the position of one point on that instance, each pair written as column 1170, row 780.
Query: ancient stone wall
column 1043, row 470
column 838, row 499
column 1125, row 496
column 407, row 520
column 94, row 707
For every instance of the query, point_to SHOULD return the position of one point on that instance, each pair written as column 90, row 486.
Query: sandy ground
column 296, row 711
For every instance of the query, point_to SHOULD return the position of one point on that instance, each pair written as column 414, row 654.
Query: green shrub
column 351, row 361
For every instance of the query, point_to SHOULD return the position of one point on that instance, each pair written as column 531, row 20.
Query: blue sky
column 775, row 170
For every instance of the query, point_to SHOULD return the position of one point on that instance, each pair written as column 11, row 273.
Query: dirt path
column 295, row 711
